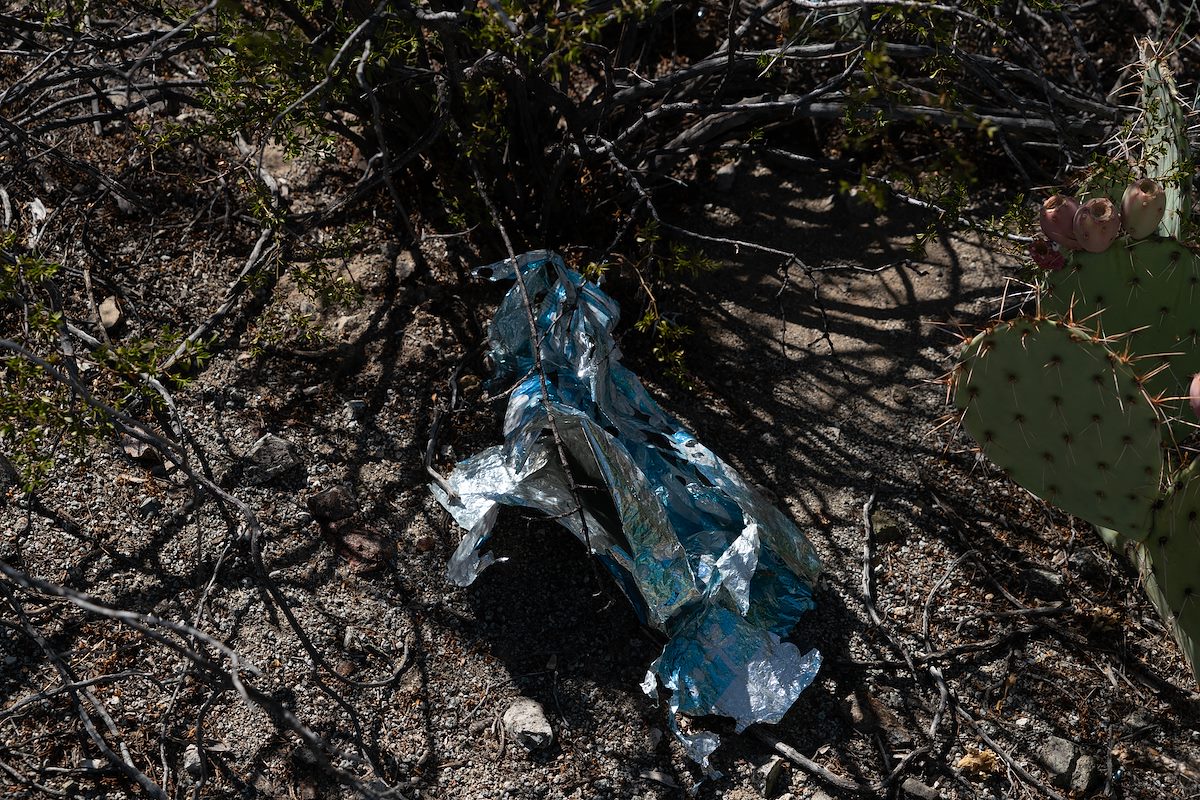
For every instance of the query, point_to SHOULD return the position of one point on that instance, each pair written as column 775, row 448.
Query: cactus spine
column 1086, row 404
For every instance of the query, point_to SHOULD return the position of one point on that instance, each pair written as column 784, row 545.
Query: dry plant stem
column 198, row 741
column 124, row 762
column 30, row 782
column 381, row 134
column 210, row 671
column 68, row 687
column 146, row 624
column 439, row 414
column 808, row 765
column 609, row 150
column 902, row 764
column 868, row 589
column 235, row 291
column 920, row 5
column 371, row 21
column 925, row 614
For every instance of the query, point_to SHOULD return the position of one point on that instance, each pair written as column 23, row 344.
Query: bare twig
column 236, row 288
column 808, row 765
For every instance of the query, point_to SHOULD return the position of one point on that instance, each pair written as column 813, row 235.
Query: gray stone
column 1088, row 565
column 333, row 504
column 1058, row 757
column 271, row 457
column 1043, row 583
column 887, row 528
column 914, row 788
column 660, row 777
column 525, row 722
column 192, row 763
column 771, row 777
column 858, row 708
column 142, row 452
column 1067, row 767
column 149, row 507
column 725, row 177
column 404, row 265
column 355, row 409
column 1138, row 720
column 1084, row 774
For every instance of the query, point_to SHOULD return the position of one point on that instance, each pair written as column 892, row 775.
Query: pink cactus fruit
column 1142, row 207
column 1194, row 394
column 1097, row 223
column 1045, row 256
column 1058, row 220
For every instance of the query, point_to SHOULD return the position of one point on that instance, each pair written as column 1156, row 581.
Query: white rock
column 525, row 721
column 110, row 313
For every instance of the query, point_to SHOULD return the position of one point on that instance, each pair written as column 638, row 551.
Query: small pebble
column 191, row 761
column 332, row 504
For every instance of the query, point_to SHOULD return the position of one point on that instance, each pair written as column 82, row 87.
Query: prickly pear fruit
column 1097, row 224
column 1045, row 256
column 1194, row 394
column 1058, row 220
column 1142, row 207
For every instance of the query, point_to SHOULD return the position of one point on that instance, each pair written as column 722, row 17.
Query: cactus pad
column 1147, row 293
column 1168, row 560
column 1064, row 418
column 1167, row 147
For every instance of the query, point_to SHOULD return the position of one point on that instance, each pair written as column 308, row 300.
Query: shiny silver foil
column 700, row 555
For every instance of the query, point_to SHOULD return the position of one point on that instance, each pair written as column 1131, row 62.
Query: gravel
column 349, row 626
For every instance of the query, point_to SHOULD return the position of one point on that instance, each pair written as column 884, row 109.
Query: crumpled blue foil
column 700, row 555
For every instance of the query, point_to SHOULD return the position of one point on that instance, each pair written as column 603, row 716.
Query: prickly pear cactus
column 1144, row 297
column 1083, row 404
column 1064, row 418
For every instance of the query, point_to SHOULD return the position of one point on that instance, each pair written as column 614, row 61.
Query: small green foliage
column 283, row 328
column 594, row 271
column 667, row 337
column 41, row 412
column 689, row 261
column 660, row 263
column 38, row 418
column 323, row 284
column 38, row 414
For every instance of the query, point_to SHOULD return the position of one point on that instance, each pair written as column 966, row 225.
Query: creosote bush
column 577, row 120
